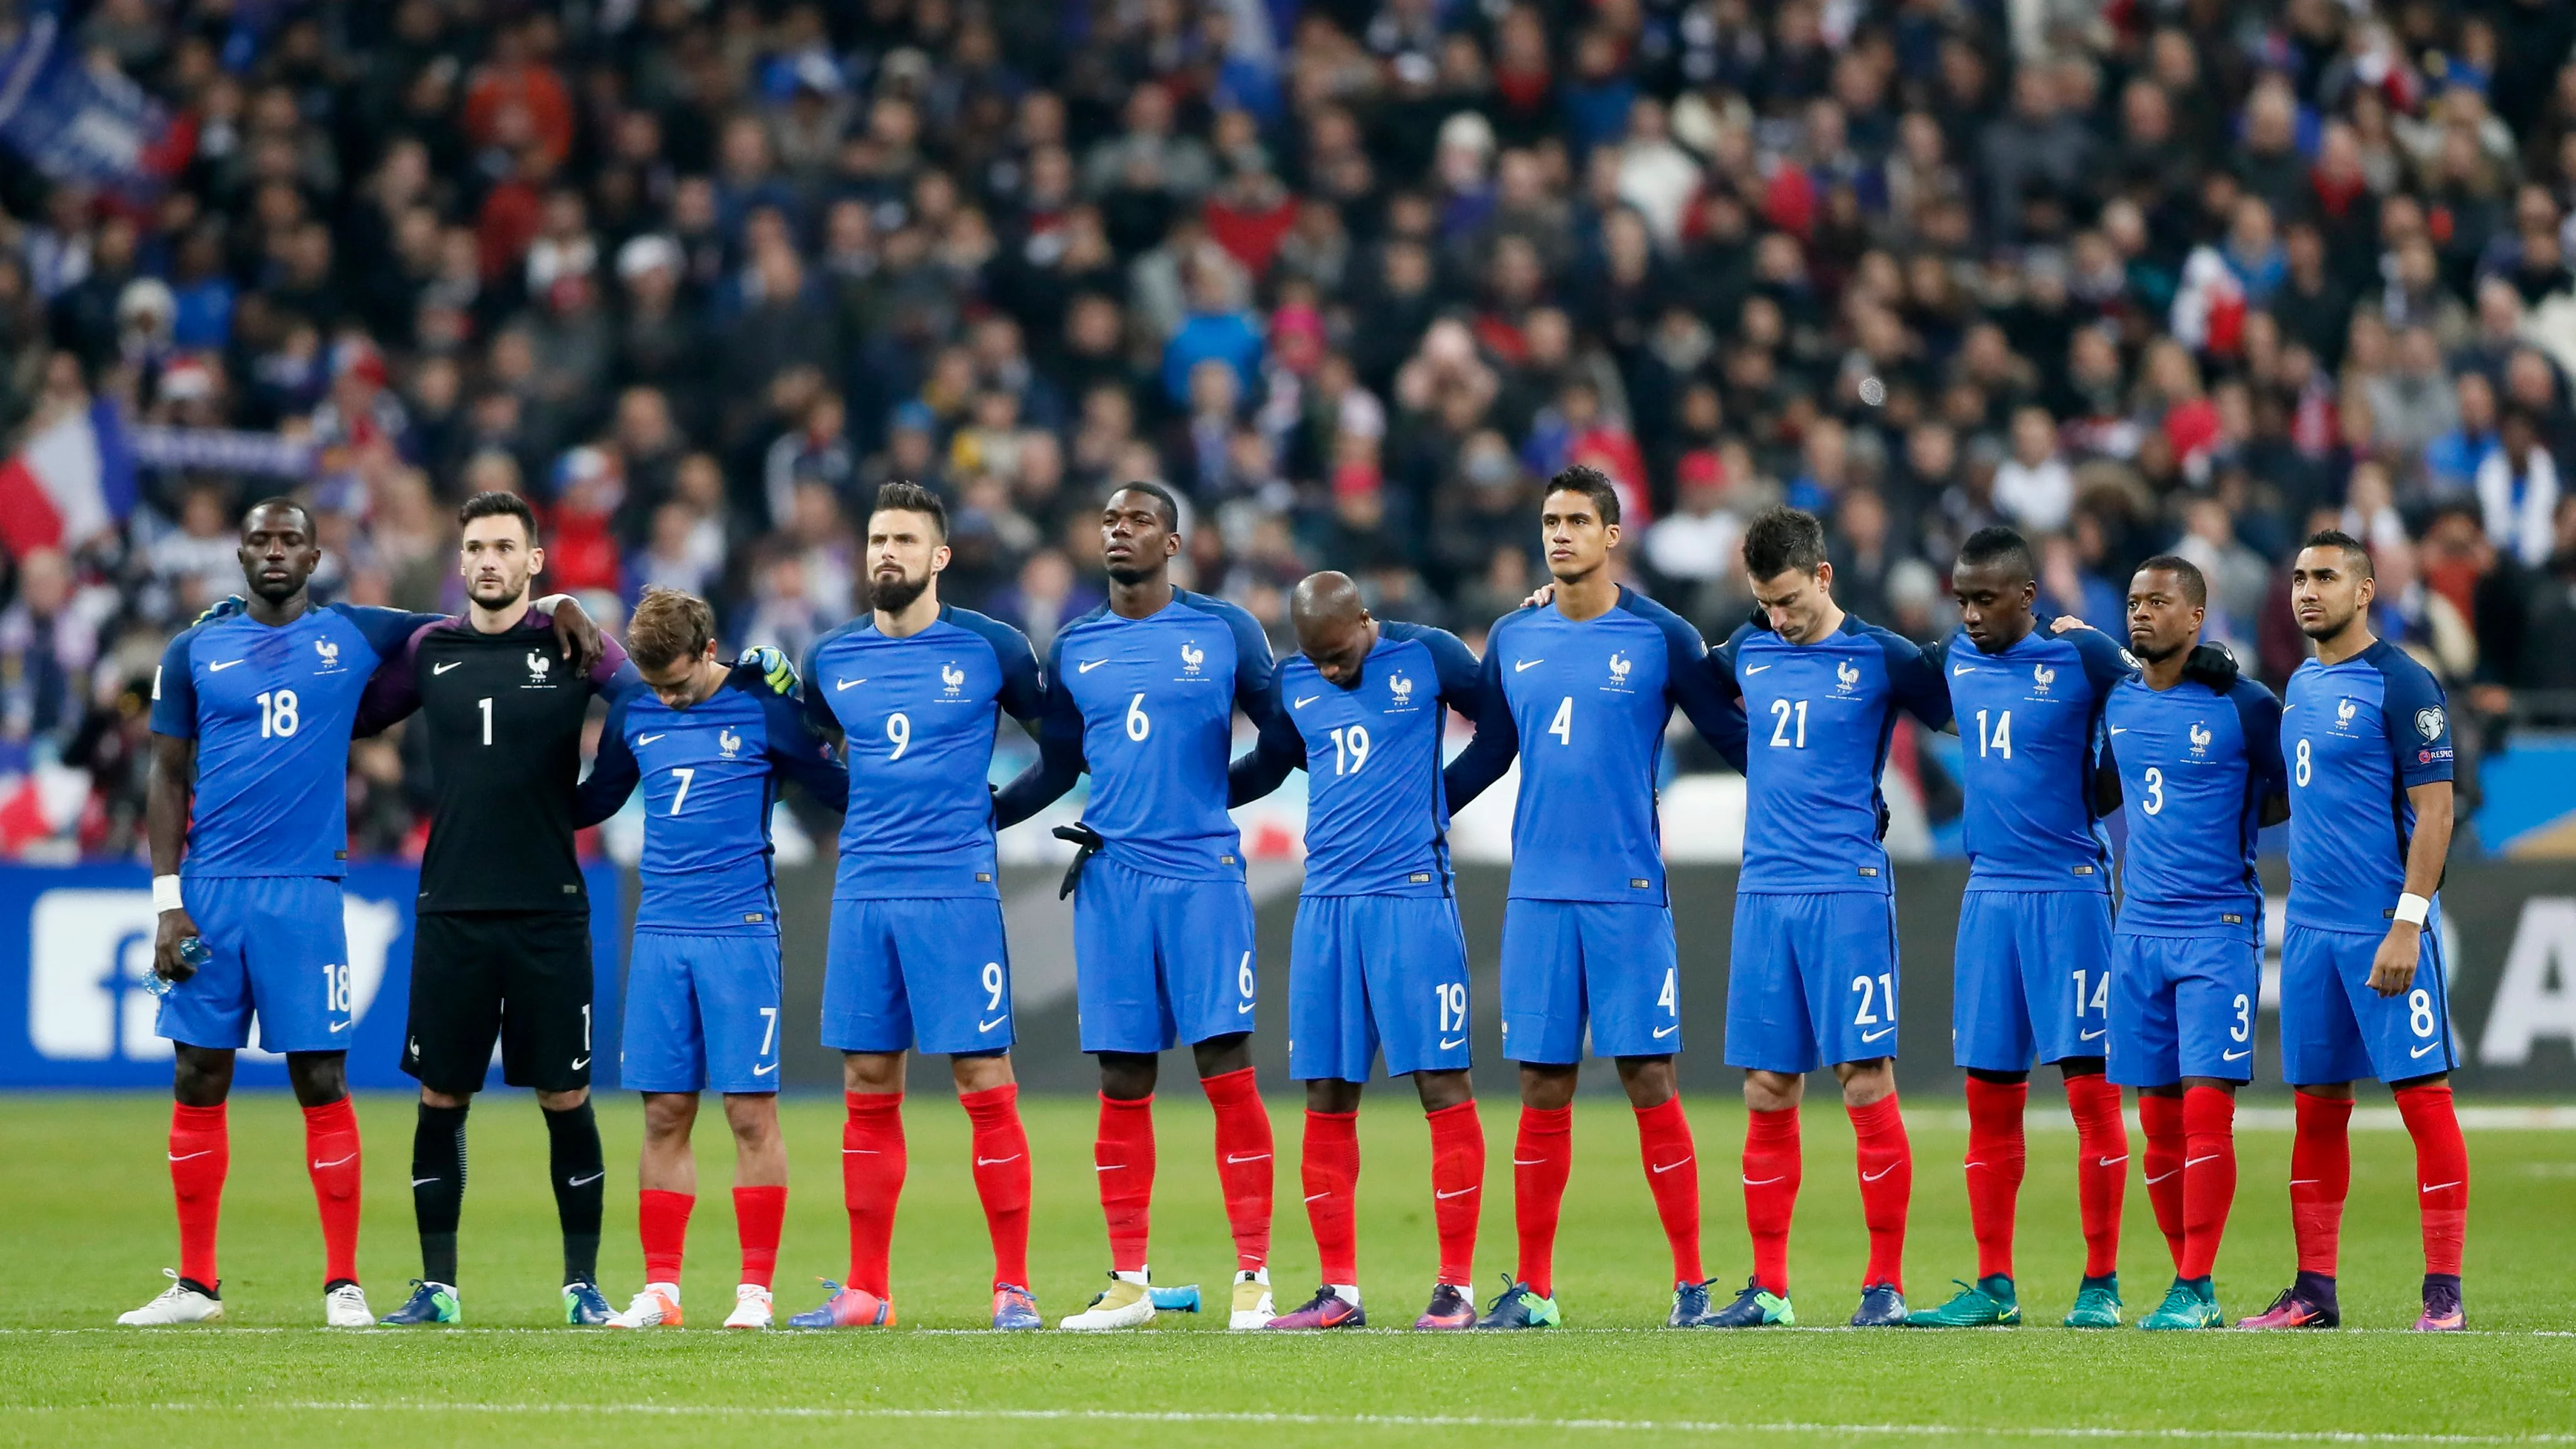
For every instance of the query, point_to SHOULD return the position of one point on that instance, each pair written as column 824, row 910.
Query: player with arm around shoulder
column 1579, row 691
column 2365, row 988
column 913, row 691
column 708, row 744
column 1812, row 974
column 1141, row 695
column 2197, row 752
column 1378, row 955
column 2033, row 966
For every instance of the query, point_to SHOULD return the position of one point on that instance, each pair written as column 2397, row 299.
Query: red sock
column 1996, row 1156
column 2320, row 1179
column 1772, row 1167
column 872, row 1168
column 1457, row 1187
column 1331, row 1170
column 1542, row 1159
column 2208, row 1175
column 2441, row 1172
column 1123, row 1155
column 201, row 1152
column 2101, row 1168
column 1002, row 1177
column 1245, row 1167
column 1672, row 1174
column 331, row 1155
column 758, row 1213
column 1886, row 1166
column 2160, row 1118
column 662, row 1222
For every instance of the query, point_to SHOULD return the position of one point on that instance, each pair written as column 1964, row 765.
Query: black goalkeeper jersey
column 504, row 714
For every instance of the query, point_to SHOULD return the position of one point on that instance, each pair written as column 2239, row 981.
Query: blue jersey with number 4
column 1147, row 707
column 1377, row 819
column 2356, row 737
column 1819, row 717
column 710, row 774
column 1583, row 704
column 916, row 717
column 2030, row 719
column 2196, row 766
column 271, row 709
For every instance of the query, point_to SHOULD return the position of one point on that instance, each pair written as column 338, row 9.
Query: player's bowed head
column 1335, row 630
column 672, row 640
column 1996, row 583
column 1792, row 580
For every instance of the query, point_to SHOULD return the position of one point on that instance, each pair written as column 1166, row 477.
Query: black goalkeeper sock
column 438, row 1187
column 572, row 1140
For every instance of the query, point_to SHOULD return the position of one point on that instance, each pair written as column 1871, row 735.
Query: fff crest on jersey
column 1400, row 689
column 1192, row 656
column 538, row 666
column 953, row 677
column 1846, row 677
column 2200, row 738
column 1620, row 664
column 330, row 652
column 2345, row 710
column 2041, row 677
column 728, row 742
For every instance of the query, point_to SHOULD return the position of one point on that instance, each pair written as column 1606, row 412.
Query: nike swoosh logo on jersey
column 1087, row 668
column 338, row 1026
column 1309, row 699
column 2235, row 1056
column 1669, row 1166
column 642, row 740
column 764, row 1071
column 581, row 1063
column 2117, row 730
column 1520, row 664
column 996, row 1021
column 1755, row 668
column 443, row 668
column 1871, row 1036
column 1448, row 1042
column 841, row 684
column 1244, row 1010
column 2426, row 1047
column 2089, row 1035
column 1963, row 669
column 220, row 668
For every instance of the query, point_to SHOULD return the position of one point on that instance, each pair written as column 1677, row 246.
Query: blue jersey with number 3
column 2356, row 737
column 2030, row 724
column 271, row 709
column 2195, row 767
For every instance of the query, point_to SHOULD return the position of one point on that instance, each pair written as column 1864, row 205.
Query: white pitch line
column 2038, row 1332
column 1394, row 1421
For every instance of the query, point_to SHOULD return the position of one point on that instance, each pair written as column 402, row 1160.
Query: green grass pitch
column 85, row 1227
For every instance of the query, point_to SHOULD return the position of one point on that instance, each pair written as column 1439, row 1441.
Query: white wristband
column 165, row 894
column 2412, row 908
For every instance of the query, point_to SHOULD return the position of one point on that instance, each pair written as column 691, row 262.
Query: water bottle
column 194, row 951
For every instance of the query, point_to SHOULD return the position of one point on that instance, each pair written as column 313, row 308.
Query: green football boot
column 1987, row 1303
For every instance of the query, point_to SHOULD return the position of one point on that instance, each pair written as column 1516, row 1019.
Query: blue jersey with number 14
column 2030, row 720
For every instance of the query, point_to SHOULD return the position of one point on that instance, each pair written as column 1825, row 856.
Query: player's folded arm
column 613, row 776
column 1275, row 752
column 1497, row 740
column 798, row 752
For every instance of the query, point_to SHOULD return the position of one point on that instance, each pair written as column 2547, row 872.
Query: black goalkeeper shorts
column 521, row 977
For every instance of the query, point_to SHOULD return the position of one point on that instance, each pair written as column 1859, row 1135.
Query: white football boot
column 178, row 1303
column 1125, row 1303
column 752, row 1308
column 346, row 1307
column 1252, row 1306
column 658, row 1306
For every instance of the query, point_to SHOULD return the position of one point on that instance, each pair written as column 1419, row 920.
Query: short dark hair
column 1997, row 544
column 2353, row 549
column 493, row 503
column 1592, row 483
column 904, row 496
column 279, row 500
column 1162, row 496
column 1782, row 538
column 2195, row 584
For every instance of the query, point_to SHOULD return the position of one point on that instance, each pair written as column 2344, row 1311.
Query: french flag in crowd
column 72, row 479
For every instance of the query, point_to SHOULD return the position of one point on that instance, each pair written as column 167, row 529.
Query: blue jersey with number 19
column 1819, row 718
column 2030, row 720
column 1583, row 704
column 2356, row 737
column 270, row 708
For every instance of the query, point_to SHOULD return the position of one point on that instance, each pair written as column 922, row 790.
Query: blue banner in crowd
column 76, row 943
column 75, row 120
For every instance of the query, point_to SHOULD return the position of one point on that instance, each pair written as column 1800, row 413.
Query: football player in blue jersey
column 2365, row 987
column 913, row 691
column 1579, row 691
column 1812, row 973
column 2197, row 752
column 708, row 743
column 1378, row 953
column 2033, row 969
column 1142, row 693
column 252, row 709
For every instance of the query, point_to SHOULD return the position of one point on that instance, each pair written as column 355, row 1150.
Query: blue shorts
column 701, row 1012
column 2033, row 977
column 1811, row 981
column 1608, row 964
column 933, row 974
column 2334, row 1028
column 1159, row 960
column 2183, row 1006
column 281, row 952
column 1371, row 968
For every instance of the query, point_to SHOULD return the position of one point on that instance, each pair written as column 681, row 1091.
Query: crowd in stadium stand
column 1352, row 276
